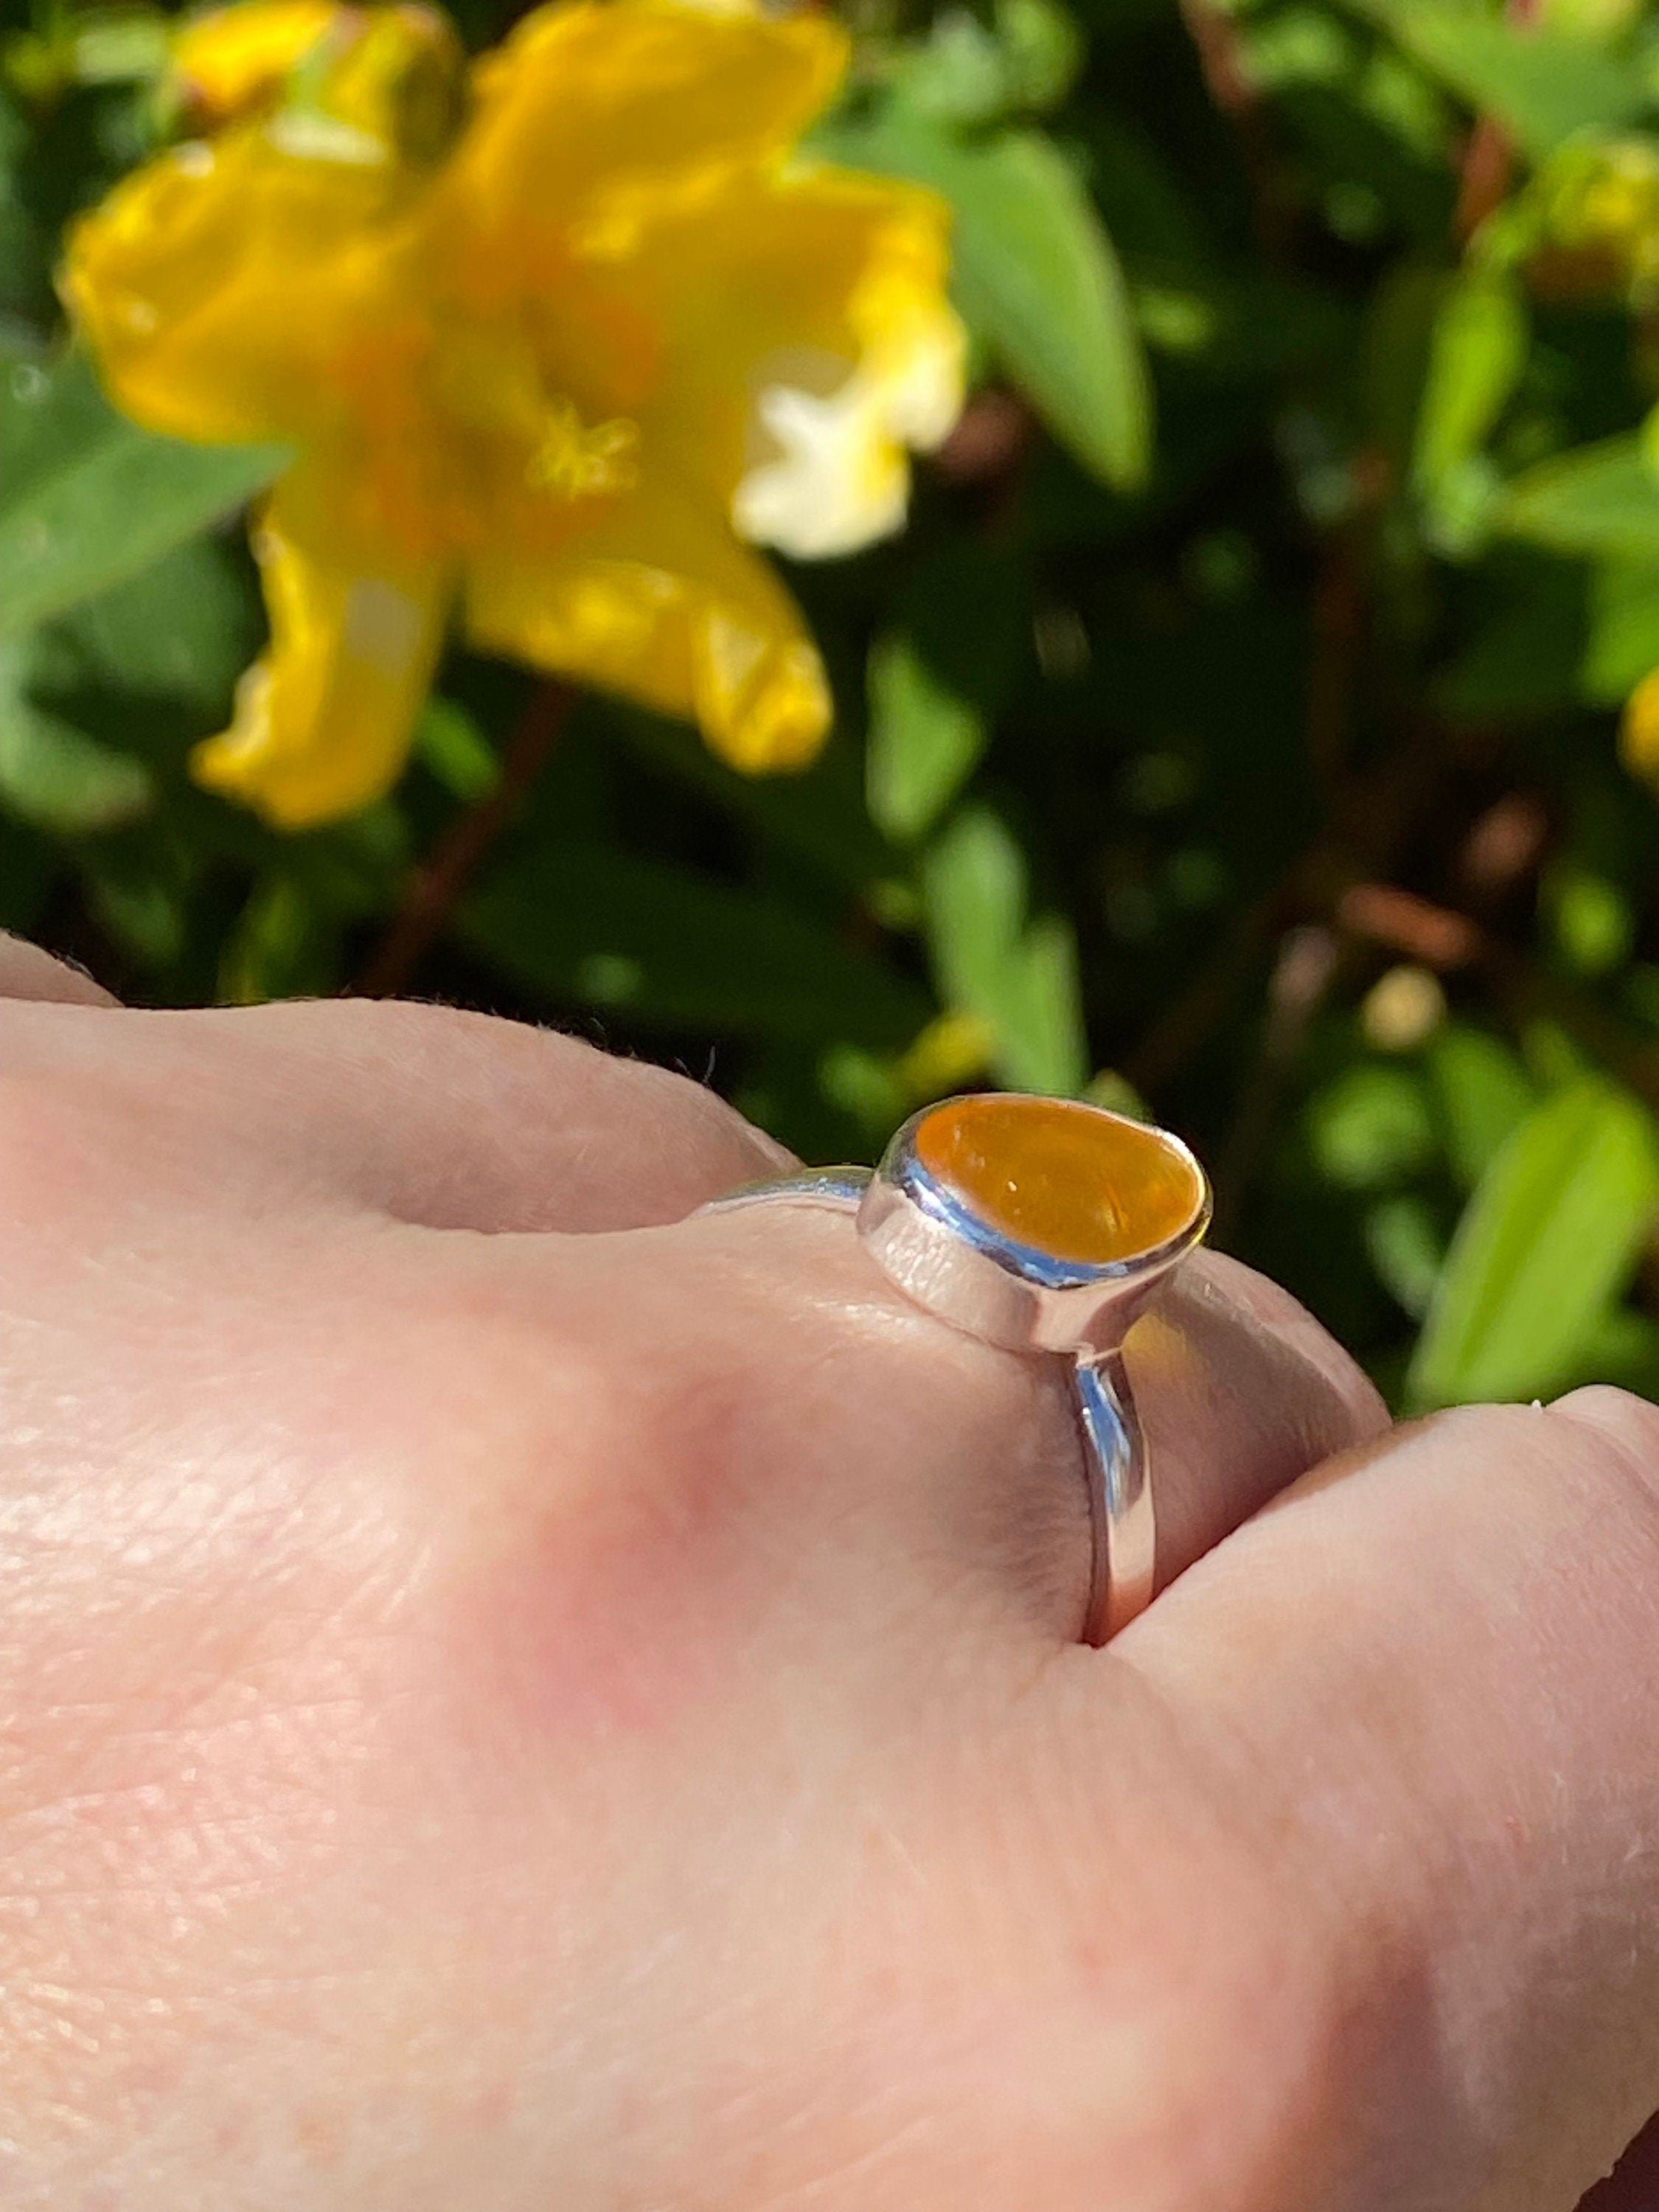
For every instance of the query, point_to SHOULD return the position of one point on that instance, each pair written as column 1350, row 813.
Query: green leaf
column 1589, row 917
column 1476, row 355
column 1622, row 644
column 1034, row 274
column 178, row 634
column 1406, row 1246
column 1543, row 1248
column 971, row 71
column 1482, row 1095
column 1540, row 85
column 925, row 740
column 1371, row 1127
column 87, row 499
column 604, row 927
column 282, row 946
column 938, row 682
column 1021, row 979
column 54, row 774
column 1602, row 499
column 449, row 742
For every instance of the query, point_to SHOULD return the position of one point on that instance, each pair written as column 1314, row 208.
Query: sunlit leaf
column 1477, row 352
column 1602, row 498
column 1541, row 85
column 1622, row 641
column 1020, row 977
column 1035, row 274
column 1482, row 1095
column 1546, row 1242
column 924, row 739
column 87, row 499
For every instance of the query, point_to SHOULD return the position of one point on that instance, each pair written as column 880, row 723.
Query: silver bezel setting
column 930, row 1242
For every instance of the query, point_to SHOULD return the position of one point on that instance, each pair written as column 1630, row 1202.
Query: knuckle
column 1619, row 1421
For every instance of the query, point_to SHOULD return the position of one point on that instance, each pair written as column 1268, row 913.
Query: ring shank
column 1122, row 1524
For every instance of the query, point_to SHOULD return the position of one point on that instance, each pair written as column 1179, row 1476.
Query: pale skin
column 515, row 1700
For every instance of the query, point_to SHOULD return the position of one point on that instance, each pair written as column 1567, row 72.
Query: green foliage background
column 1231, row 736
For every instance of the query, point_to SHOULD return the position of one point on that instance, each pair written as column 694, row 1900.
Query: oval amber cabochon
column 1072, row 1180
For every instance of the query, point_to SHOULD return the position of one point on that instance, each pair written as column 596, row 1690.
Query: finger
column 1633, row 2185
column 1422, row 1697
column 26, row 972
column 1240, row 1391
column 429, row 1114
column 969, row 1455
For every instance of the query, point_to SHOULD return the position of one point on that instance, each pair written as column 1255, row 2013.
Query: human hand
column 511, row 1697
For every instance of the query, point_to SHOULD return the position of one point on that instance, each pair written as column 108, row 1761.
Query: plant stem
column 438, row 883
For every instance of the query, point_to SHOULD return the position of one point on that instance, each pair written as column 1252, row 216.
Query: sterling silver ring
column 1046, row 1226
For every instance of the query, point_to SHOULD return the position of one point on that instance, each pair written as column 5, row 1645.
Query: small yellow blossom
column 551, row 338
column 1591, row 219
column 238, row 58
column 1638, row 732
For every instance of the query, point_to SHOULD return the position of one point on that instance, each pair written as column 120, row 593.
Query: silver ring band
column 943, row 1247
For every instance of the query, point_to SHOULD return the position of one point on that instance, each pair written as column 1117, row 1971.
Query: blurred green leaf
column 52, row 773
column 282, row 945
column 87, row 499
column 1045, row 49
column 1371, row 1127
column 1405, row 1245
column 180, row 631
column 138, row 890
column 450, row 744
column 598, row 926
column 1542, row 86
column 1019, row 977
column 1476, row 353
column 1482, row 1095
column 924, row 740
column 1602, row 498
column 1589, row 919
column 1035, row 272
column 971, row 70
column 1622, row 641
column 1547, row 1240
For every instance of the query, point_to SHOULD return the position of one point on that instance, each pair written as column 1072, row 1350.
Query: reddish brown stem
column 442, row 878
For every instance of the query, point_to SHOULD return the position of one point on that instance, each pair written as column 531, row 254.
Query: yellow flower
column 1638, row 732
column 549, row 358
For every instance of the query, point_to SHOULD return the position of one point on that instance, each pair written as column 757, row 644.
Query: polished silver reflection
column 946, row 1257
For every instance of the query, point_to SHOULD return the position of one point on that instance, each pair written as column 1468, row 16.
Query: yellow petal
column 324, row 718
column 225, row 287
column 237, row 58
column 1638, row 733
column 810, row 345
column 590, row 104
column 657, row 600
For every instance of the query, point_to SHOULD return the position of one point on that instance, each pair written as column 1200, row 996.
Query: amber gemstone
column 1075, row 1181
